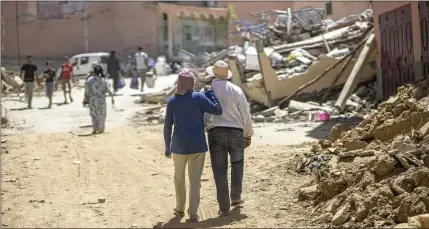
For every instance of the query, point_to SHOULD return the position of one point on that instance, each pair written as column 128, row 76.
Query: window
column 84, row 60
column 208, row 32
column 196, row 31
column 73, row 62
column 328, row 7
column 212, row 3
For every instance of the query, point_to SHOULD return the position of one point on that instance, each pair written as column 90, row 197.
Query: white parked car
column 82, row 63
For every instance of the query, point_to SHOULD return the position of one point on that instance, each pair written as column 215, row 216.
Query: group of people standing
column 223, row 112
column 30, row 77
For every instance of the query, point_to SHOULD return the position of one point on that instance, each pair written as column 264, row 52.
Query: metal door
column 424, row 34
column 397, row 54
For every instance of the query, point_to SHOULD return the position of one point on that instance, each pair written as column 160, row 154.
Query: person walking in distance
column 113, row 69
column 141, row 60
column 185, row 110
column 96, row 88
column 50, row 80
column 230, row 133
column 66, row 78
column 30, row 74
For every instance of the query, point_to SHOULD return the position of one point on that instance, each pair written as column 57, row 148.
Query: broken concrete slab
column 354, row 145
column 269, row 112
column 336, row 132
column 424, row 130
column 357, row 153
column 301, row 106
column 342, row 215
column 308, row 193
column 384, row 165
column 420, row 221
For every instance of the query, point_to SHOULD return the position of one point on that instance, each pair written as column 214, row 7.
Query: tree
column 230, row 14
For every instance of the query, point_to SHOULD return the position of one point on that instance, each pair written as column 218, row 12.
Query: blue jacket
column 186, row 112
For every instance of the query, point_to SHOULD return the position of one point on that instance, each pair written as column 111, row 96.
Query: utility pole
column 17, row 34
column 85, row 27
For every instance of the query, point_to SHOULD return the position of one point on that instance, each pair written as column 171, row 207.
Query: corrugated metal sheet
column 424, row 34
column 397, row 54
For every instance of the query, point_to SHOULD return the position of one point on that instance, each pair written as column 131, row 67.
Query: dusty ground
column 54, row 177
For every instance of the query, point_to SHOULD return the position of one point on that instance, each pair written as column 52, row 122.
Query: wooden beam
column 351, row 82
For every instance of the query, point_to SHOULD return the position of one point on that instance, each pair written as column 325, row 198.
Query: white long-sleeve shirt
column 235, row 109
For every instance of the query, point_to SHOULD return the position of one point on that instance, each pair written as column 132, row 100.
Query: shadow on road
column 20, row 109
column 44, row 108
column 85, row 126
column 235, row 215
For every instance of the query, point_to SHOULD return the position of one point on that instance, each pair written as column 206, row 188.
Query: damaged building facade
column 123, row 26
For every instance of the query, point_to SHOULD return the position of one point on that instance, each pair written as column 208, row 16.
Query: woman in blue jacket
column 185, row 111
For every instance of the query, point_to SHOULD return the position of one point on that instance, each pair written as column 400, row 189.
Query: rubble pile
column 325, row 41
column 150, row 116
column 293, row 52
column 377, row 173
column 10, row 81
column 361, row 103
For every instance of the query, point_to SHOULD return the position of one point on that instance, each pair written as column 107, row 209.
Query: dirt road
column 51, row 177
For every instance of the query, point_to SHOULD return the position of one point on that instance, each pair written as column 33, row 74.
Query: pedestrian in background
column 229, row 133
column 66, row 78
column 30, row 76
column 96, row 88
column 113, row 69
column 142, row 65
column 50, row 81
column 185, row 111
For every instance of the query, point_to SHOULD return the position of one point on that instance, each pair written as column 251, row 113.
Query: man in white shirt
column 230, row 133
column 141, row 65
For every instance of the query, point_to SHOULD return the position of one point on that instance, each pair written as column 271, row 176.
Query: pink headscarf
column 185, row 81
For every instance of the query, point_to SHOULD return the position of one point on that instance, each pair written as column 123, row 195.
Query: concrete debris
column 420, row 221
column 152, row 115
column 308, row 193
column 308, row 108
column 299, row 44
column 383, row 177
column 342, row 215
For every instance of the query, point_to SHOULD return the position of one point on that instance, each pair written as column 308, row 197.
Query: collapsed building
column 302, row 54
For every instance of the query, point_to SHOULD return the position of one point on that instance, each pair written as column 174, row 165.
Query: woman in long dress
column 96, row 88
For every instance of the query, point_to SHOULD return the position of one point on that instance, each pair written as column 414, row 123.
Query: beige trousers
column 195, row 169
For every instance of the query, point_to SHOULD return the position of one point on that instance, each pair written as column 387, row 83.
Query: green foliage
column 230, row 14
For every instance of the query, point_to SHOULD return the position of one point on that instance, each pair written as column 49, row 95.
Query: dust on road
column 51, row 177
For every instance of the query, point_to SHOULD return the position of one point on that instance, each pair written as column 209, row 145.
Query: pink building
column 162, row 28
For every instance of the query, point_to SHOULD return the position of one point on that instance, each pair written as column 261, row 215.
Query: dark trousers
column 224, row 140
column 115, row 78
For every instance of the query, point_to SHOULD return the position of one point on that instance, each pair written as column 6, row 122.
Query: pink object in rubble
column 322, row 116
